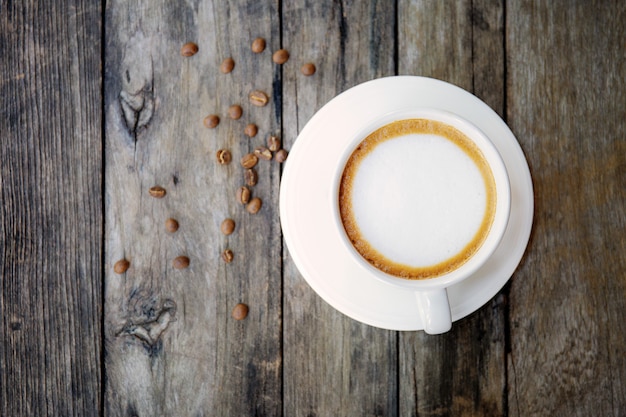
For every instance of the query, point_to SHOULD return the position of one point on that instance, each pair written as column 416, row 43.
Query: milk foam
column 418, row 199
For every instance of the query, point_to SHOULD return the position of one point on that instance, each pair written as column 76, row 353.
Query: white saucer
column 307, row 222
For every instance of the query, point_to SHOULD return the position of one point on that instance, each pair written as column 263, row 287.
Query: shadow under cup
column 421, row 199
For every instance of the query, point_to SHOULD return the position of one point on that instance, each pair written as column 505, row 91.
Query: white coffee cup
column 437, row 195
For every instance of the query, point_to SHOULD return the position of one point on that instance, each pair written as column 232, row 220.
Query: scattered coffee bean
column 258, row 98
column 228, row 256
column 157, row 191
column 254, row 205
column 263, row 153
column 235, row 111
column 223, row 156
column 258, row 45
column 308, row 69
column 180, row 262
column 281, row 56
column 189, row 49
column 251, row 177
column 249, row 160
column 251, row 130
column 273, row 143
column 211, row 121
column 227, row 65
column 121, row 266
column 171, row 225
column 228, row 226
column 243, row 195
column 281, row 156
column 240, row 311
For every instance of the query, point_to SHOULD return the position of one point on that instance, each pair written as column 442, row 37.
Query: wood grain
column 462, row 372
column 201, row 361
column 93, row 116
column 51, row 209
column 566, row 105
column 334, row 366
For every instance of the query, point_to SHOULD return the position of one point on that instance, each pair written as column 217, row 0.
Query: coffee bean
column 243, row 195
column 189, row 49
column 308, row 69
column 251, row 177
column 254, row 205
column 223, row 156
column 157, row 191
column 121, row 266
column 281, row 56
column 228, row 226
column 258, row 98
column 235, row 111
column 228, row 256
column 263, row 153
column 251, row 130
column 249, row 160
column 227, row 65
column 180, row 262
column 281, row 156
column 273, row 143
column 258, row 45
column 211, row 121
column 240, row 311
column 171, row 225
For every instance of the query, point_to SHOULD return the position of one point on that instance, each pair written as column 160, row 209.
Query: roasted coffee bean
column 273, row 143
column 227, row 65
column 258, row 98
column 180, row 262
column 243, row 195
column 258, row 45
column 249, row 160
column 157, row 191
column 254, row 205
column 223, row 156
column 228, row 256
column 251, row 130
column 171, row 225
column 211, row 121
column 281, row 56
column 240, row 311
column 235, row 111
column 228, row 226
column 308, row 69
column 281, row 156
column 121, row 266
column 263, row 153
column 251, row 177
column 189, row 49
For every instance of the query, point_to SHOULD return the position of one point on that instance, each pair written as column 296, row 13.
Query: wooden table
column 98, row 106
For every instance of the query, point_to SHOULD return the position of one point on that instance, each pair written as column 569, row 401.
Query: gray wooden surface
column 98, row 106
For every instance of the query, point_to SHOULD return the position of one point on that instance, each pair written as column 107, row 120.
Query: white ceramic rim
column 503, row 202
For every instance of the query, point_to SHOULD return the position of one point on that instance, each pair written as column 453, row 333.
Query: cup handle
column 434, row 309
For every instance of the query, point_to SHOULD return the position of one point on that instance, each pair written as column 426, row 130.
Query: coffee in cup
column 417, row 198
column 420, row 199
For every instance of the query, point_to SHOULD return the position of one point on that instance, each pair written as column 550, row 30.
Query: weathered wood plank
column 566, row 95
column 334, row 366
column 565, row 102
column 205, row 362
column 51, row 209
column 461, row 372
